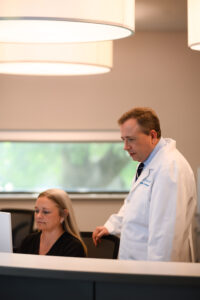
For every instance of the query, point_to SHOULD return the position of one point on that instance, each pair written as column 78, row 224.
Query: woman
column 58, row 232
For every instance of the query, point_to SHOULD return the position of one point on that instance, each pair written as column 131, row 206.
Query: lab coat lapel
column 144, row 174
column 151, row 166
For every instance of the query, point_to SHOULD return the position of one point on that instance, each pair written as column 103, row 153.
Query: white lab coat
column 155, row 220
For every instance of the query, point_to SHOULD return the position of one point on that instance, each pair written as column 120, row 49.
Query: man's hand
column 98, row 233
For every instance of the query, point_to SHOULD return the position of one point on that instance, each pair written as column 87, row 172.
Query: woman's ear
column 66, row 212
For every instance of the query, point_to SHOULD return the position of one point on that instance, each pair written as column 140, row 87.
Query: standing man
column 155, row 220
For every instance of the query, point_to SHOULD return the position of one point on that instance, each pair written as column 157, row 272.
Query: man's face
column 136, row 143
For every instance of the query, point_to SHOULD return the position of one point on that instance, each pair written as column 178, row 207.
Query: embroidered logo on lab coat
column 146, row 182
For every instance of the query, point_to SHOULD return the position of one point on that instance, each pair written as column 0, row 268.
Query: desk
column 50, row 277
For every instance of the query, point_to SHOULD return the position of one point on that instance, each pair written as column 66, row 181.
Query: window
column 73, row 166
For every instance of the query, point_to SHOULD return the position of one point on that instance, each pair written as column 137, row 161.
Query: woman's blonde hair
column 62, row 201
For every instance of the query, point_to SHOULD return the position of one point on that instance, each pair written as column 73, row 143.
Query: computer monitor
column 5, row 232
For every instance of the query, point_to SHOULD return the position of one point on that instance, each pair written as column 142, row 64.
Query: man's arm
column 98, row 233
column 112, row 226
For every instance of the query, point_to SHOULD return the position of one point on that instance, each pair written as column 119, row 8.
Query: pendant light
column 194, row 24
column 58, row 21
column 56, row 59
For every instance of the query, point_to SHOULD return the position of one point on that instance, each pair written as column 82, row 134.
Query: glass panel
column 74, row 167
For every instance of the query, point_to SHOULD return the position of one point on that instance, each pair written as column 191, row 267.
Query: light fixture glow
column 194, row 24
column 56, row 59
column 44, row 21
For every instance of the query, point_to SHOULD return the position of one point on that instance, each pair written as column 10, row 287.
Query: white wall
column 150, row 69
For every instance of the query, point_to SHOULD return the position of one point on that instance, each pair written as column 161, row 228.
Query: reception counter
column 44, row 277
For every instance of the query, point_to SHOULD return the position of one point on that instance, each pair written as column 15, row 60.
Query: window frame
column 60, row 136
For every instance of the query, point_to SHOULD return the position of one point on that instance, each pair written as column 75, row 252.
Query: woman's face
column 47, row 215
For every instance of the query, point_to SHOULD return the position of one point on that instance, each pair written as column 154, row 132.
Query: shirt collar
column 160, row 144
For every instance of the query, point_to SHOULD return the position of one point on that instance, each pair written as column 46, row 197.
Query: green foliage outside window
column 74, row 167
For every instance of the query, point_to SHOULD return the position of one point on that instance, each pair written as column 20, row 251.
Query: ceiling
column 160, row 15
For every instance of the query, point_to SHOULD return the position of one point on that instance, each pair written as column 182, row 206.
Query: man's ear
column 154, row 135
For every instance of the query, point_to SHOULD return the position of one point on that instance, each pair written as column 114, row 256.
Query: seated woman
column 58, row 232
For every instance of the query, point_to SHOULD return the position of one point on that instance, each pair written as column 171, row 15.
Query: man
column 155, row 220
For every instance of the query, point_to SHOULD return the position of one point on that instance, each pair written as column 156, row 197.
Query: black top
column 66, row 245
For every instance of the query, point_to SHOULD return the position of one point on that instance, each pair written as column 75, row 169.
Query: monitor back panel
column 5, row 232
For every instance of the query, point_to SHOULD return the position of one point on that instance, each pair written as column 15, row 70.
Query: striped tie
column 139, row 170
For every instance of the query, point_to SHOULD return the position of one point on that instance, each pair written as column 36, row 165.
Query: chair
column 107, row 248
column 22, row 221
